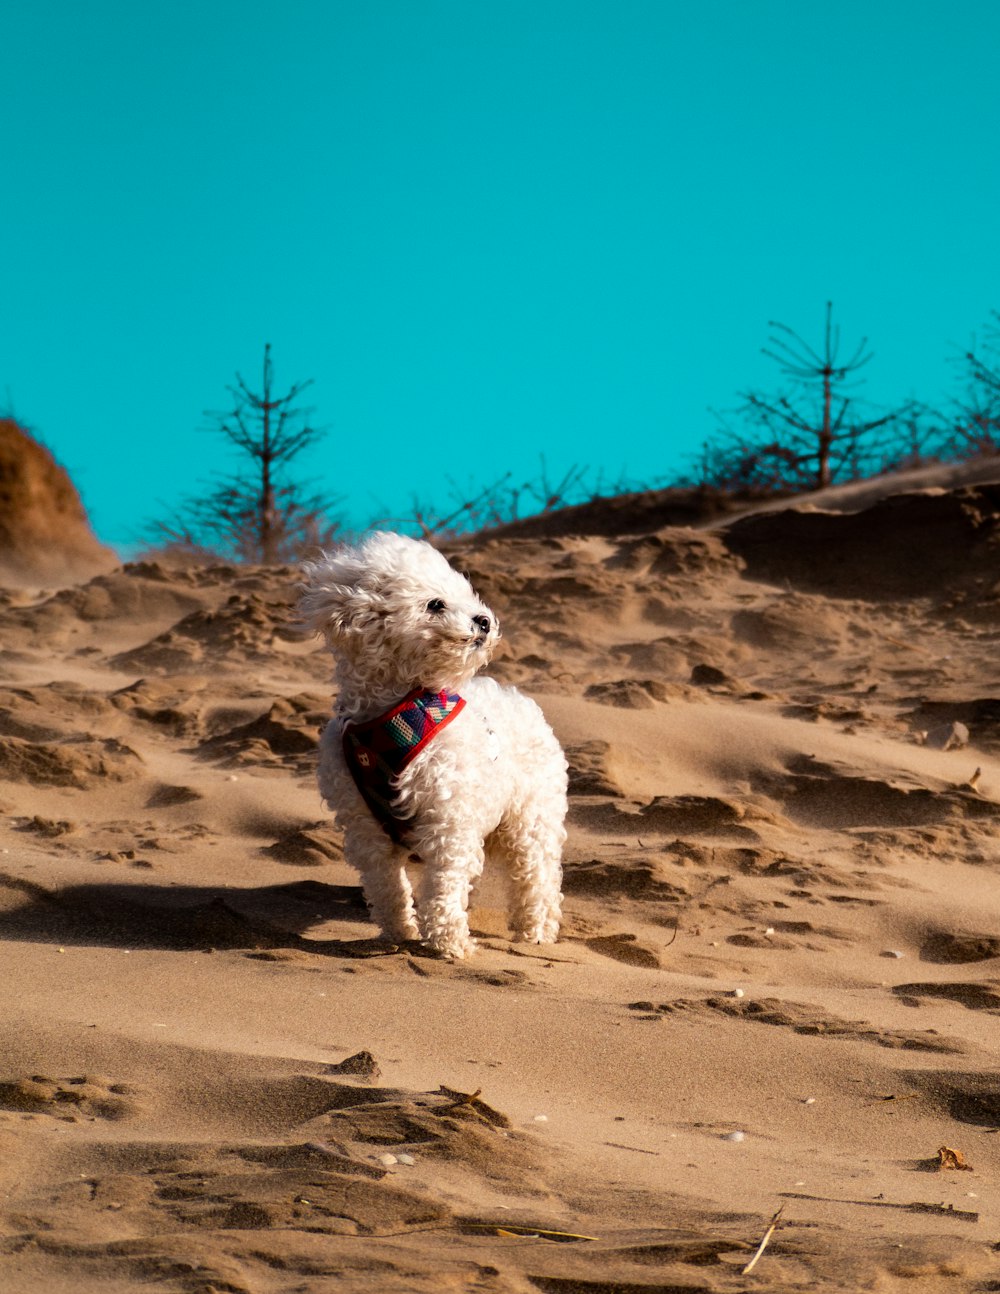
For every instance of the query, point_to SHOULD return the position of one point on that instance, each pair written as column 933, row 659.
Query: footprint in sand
column 68, row 1098
column 803, row 1018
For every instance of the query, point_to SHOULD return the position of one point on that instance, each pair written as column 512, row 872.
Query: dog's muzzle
column 483, row 624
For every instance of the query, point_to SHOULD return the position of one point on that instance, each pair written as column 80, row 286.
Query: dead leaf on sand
column 947, row 1157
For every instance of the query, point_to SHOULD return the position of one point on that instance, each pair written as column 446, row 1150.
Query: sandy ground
column 778, row 984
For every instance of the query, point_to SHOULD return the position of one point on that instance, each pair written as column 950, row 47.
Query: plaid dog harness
column 379, row 749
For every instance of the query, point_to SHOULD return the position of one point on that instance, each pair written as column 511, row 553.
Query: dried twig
column 513, row 1229
column 471, row 1101
column 697, row 898
column 764, row 1242
column 461, row 1098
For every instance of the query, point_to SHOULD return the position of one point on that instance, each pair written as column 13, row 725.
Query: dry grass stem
column 766, row 1240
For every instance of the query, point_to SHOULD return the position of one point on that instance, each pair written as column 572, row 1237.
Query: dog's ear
column 330, row 601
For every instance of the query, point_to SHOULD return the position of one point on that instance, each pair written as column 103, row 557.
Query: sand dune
column 44, row 531
column 778, row 984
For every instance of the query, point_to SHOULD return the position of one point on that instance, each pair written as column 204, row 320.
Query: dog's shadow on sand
column 183, row 917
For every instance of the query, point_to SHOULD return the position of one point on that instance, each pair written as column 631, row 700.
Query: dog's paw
column 545, row 933
column 405, row 932
column 452, row 947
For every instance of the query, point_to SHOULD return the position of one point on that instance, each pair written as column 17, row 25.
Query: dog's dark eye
column 435, row 606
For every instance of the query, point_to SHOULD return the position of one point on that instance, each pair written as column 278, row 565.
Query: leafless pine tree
column 261, row 514
column 813, row 434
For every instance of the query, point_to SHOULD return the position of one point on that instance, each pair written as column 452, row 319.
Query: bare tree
column 974, row 426
column 472, row 508
column 260, row 514
column 918, row 440
column 984, row 363
column 811, row 436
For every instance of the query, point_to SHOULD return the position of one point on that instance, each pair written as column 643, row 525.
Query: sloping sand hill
column 44, row 531
column 778, row 985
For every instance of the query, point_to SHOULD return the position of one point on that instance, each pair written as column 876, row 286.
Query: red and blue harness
column 379, row 749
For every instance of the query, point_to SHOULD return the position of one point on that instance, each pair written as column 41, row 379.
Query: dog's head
column 398, row 615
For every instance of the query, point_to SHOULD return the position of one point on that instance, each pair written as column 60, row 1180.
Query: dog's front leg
column 382, row 866
column 452, row 862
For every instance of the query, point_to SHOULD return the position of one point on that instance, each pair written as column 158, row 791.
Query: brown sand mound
column 80, row 762
column 131, row 603
column 287, row 736
column 947, row 946
column 904, row 546
column 241, row 630
column 44, row 532
column 47, row 712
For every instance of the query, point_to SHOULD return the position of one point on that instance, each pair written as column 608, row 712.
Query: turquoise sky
column 486, row 230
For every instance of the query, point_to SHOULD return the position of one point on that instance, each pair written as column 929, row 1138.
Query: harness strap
column 378, row 750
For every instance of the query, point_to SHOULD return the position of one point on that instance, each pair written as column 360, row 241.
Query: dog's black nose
column 482, row 623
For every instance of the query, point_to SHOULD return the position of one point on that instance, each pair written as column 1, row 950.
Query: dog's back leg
column 530, row 844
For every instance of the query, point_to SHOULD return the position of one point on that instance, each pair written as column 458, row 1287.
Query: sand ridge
column 778, row 982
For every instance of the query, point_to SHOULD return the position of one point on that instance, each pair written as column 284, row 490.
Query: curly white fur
column 492, row 783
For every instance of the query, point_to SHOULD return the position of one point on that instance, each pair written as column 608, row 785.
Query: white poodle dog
column 423, row 759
